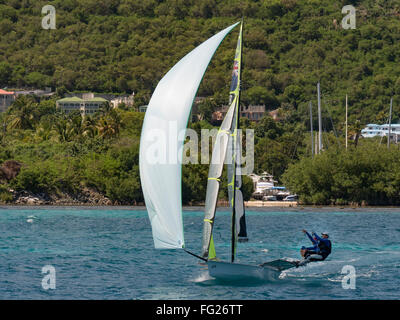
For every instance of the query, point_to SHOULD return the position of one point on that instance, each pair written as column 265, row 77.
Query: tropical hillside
column 120, row 46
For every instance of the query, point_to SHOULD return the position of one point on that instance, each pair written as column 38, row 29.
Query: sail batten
column 159, row 156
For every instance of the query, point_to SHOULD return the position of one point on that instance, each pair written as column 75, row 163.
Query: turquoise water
column 108, row 254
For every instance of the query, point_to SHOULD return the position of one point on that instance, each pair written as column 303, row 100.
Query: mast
column 311, row 129
column 319, row 120
column 390, row 122
column 346, row 121
column 235, row 126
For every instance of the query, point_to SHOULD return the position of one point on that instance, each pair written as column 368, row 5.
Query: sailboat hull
column 236, row 271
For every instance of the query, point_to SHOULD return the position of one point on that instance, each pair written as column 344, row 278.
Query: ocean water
column 108, row 253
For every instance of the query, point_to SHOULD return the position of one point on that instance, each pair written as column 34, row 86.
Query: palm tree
column 109, row 125
column 105, row 109
column 89, row 127
column 108, row 128
column 76, row 124
column 22, row 113
column 65, row 130
column 44, row 132
column 355, row 132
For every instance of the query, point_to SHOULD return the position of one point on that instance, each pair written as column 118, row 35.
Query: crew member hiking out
column 320, row 250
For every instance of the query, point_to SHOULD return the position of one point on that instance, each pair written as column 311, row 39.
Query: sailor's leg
column 311, row 257
column 302, row 262
column 309, row 253
column 315, row 257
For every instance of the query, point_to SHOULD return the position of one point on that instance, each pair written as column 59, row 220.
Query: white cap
column 325, row 233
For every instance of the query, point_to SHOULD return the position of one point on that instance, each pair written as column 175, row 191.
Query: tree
column 5, row 73
column 206, row 109
column 355, row 132
column 268, row 127
column 22, row 114
column 258, row 95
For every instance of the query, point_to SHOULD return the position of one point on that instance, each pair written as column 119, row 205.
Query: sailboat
column 169, row 107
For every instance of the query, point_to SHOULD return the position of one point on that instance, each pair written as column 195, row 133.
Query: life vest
column 325, row 250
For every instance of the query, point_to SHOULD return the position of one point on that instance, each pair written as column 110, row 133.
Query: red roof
column 5, row 92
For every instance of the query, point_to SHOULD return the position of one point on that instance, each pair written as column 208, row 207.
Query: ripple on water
column 109, row 254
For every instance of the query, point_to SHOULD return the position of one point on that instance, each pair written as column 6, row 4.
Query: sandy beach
column 260, row 203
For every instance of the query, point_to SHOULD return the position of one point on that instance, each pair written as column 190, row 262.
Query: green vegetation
column 65, row 153
column 368, row 174
column 121, row 46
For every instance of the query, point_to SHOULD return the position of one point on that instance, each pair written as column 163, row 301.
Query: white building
column 376, row 130
column 36, row 92
column 89, row 105
column 127, row 100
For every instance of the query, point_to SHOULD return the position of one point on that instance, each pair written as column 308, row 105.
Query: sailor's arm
column 318, row 238
column 309, row 237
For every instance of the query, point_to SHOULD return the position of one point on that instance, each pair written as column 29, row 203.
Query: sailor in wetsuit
column 319, row 251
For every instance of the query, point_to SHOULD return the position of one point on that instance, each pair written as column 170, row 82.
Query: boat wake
column 31, row 219
column 332, row 270
column 203, row 277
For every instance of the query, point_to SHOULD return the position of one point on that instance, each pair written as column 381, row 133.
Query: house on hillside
column 87, row 105
column 376, row 130
column 35, row 92
column 114, row 100
column 128, row 100
column 251, row 112
column 6, row 99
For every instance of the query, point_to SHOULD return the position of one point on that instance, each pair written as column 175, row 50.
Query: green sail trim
column 212, row 255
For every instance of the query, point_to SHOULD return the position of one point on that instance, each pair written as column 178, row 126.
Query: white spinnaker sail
column 160, row 156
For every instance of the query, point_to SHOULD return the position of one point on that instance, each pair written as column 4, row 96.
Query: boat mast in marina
column 311, row 129
column 390, row 122
column 346, row 121
column 319, row 120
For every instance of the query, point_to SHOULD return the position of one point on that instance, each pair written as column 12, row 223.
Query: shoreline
column 254, row 205
column 261, row 204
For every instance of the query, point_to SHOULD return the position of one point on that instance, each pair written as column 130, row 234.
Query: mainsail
column 214, row 180
column 160, row 157
column 227, row 140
